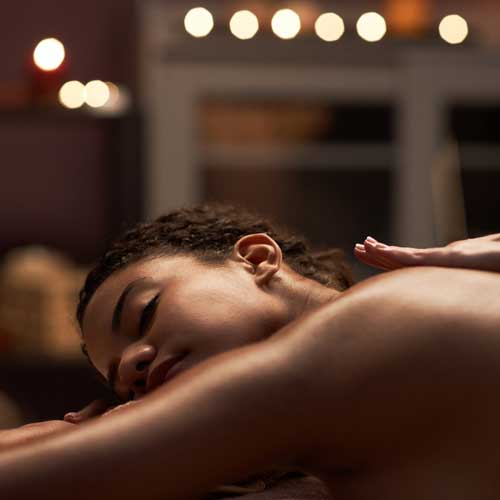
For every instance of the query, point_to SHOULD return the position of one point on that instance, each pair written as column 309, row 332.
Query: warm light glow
column 97, row 93
column 114, row 95
column 453, row 29
column 285, row 24
column 199, row 22
column 408, row 17
column 244, row 24
column 371, row 27
column 72, row 94
column 49, row 54
column 118, row 104
column 329, row 27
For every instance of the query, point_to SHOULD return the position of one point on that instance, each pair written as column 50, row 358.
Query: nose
column 134, row 367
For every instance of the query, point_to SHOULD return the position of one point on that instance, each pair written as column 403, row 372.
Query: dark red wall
column 54, row 180
column 98, row 35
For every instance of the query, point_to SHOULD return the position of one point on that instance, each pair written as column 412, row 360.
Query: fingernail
column 359, row 246
column 371, row 240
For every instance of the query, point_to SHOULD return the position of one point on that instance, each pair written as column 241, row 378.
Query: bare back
column 408, row 372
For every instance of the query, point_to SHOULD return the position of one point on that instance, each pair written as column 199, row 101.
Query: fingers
column 96, row 407
column 363, row 256
column 387, row 257
column 369, row 254
column 391, row 257
column 382, row 254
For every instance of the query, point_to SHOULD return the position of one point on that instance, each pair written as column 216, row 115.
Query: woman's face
column 170, row 313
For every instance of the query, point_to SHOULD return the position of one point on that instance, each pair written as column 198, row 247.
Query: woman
column 387, row 390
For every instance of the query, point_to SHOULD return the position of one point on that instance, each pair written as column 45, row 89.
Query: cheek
column 211, row 323
column 100, row 349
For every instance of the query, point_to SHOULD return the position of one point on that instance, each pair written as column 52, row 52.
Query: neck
column 317, row 295
column 304, row 295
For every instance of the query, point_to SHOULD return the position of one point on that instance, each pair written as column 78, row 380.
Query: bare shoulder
column 418, row 299
column 398, row 354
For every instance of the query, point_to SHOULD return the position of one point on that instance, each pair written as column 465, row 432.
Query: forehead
column 99, row 311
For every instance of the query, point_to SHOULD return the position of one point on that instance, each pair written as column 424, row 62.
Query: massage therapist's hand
column 31, row 432
column 475, row 253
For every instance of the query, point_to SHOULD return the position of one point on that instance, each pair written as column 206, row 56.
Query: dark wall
column 98, row 35
column 58, row 170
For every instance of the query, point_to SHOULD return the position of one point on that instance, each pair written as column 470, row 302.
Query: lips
column 163, row 372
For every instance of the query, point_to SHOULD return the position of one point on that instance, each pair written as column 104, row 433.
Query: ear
column 260, row 254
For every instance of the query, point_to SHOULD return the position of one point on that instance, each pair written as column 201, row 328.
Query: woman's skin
column 28, row 433
column 386, row 391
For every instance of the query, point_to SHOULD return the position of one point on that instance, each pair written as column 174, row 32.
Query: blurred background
column 340, row 119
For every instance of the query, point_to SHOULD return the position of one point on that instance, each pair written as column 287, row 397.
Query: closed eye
column 148, row 313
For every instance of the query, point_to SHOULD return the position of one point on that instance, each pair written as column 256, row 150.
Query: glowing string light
column 371, row 27
column 244, row 24
column 49, row 54
column 286, row 24
column 72, row 94
column 329, row 27
column 97, row 93
column 453, row 29
column 199, row 22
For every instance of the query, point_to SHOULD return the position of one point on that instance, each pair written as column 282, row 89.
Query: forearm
column 234, row 415
column 30, row 433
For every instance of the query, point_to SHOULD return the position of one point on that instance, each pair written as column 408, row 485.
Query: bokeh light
column 244, row 24
column 49, row 54
column 97, row 93
column 371, row 27
column 199, row 22
column 72, row 94
column 329, row 27
column 408, row 17
column 453, row 29
column 118, row 104
column 286, row 24
column 114, row 95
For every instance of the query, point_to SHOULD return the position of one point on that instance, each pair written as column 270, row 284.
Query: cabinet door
column 477, row 132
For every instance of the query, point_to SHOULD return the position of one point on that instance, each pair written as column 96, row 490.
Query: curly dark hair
column 209, row 231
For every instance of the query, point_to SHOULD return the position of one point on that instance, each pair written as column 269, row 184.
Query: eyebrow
column 117, row 313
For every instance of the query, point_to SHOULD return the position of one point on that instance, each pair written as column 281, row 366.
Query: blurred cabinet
column 380, row 183
column 476, row 129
